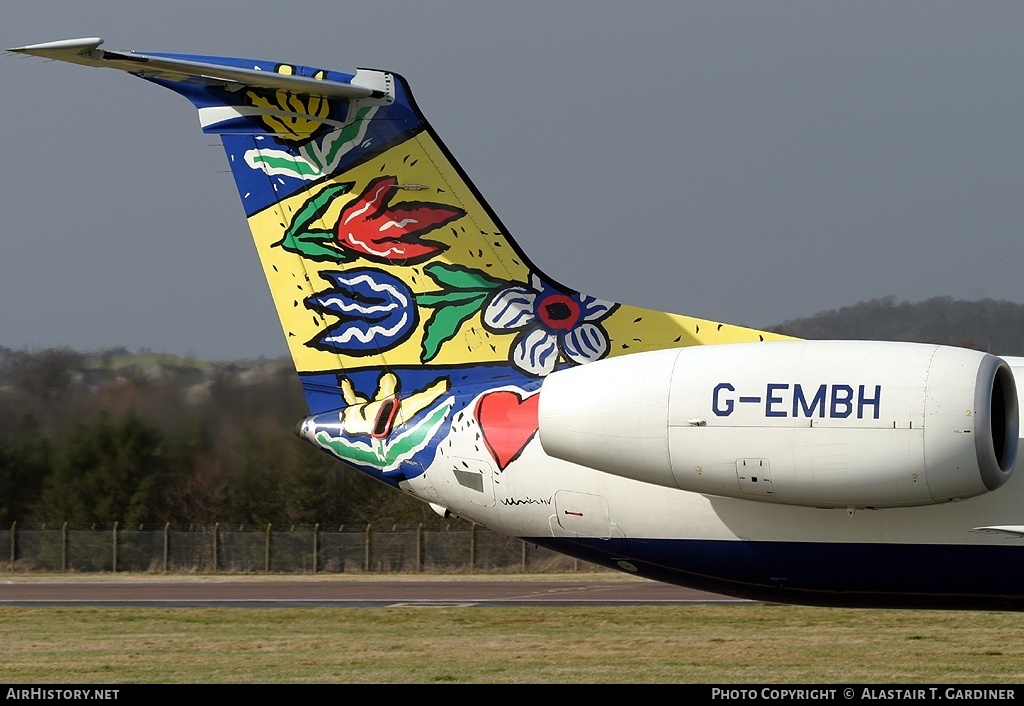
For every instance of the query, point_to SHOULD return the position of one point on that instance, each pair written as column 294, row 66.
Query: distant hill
column 989, row 325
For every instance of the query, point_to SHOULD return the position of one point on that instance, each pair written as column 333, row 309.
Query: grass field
column 700, row 644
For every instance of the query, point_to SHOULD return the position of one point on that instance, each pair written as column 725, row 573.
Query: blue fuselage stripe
column 818, row 573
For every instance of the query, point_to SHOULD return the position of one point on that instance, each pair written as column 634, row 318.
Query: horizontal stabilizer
column 87, row 52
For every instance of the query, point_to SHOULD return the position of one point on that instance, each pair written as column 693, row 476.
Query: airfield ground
column 722, row 644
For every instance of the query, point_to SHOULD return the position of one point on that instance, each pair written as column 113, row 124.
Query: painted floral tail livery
column 393, row 279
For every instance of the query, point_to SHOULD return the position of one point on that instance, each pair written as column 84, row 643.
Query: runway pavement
column 383, row 593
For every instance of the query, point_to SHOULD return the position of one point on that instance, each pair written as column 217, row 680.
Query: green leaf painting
column 317, row 158
column 316, row 244
column 463, row 293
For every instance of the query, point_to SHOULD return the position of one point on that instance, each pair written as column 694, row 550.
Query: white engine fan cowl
column 819, row 423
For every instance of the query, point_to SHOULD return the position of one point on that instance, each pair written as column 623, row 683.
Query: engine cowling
column 819, row 423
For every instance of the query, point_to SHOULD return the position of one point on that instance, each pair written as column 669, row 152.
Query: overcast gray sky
column 749, row 162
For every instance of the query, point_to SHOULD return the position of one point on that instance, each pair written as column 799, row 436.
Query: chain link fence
column 307, row 550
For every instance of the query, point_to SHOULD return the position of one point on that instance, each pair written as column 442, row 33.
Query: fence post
column 266, row 557
column 14, row 543
column 367, row 550
column 167, row 545
column 472, row 548
column 64, row 547
column 113, row 560
column 419, row 547
column 216, row 528
column 524, row 558
column 316, row 547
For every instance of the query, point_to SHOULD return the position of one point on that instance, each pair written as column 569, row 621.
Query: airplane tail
column 395, row 283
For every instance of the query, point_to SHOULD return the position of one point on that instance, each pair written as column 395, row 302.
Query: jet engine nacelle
column 820, row 423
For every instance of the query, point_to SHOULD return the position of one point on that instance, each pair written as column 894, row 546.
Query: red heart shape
column 507, row 422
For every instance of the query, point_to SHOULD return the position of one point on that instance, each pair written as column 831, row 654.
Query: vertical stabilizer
column 399, row 291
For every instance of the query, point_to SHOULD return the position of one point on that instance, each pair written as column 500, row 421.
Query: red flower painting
column 373, row 228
